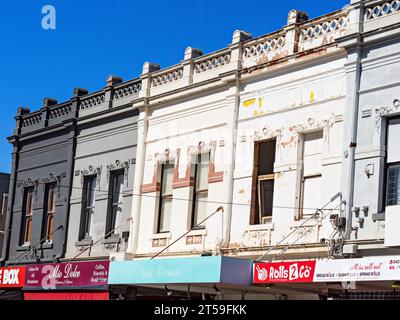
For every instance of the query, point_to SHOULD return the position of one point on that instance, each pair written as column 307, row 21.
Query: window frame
column 197, row 192
column 162, row 196
column 113, row 205
column 304, row 177
column 256, row 209
column 387, row 165
column 26, row 225
column 260, row 178
column 87, row 211
column 4, row 204
column 49, row 214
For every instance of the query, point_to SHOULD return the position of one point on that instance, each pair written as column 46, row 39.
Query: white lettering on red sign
column 9, row 277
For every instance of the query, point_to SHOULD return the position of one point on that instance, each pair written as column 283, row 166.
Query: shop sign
column 292, row 271
column 67, row 275
column 12, row 277
column 385, row 268
column 362, row 269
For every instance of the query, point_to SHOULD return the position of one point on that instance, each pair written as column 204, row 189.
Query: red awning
column 99, row 295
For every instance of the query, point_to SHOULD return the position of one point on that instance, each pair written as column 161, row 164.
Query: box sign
column 214, row 269
column 283, row 272
column 363, row 269
column 385, row 268
column 67, row 275
column 12, row 277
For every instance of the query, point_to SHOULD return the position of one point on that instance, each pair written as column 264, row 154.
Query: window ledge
column 161, row 235
column 47, row 245
column 84, row 242
column 378, row 216
column 23, row 248
column 114, row 239
column 196, row 232
column 258, row 227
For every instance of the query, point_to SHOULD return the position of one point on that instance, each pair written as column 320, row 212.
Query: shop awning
column 102, row 295
column 190, row 270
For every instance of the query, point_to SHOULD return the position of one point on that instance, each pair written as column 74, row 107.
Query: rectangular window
column 165, row 210
column 393, row 163
column 263, row 182
column 88, row 204
column 27, row 214
column 114, row 215
column 49, row 211
column 311, row 195
column 4, row 204
column 200, row 189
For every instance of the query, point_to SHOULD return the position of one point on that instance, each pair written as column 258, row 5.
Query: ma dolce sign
column 385, row 268
column 67, row 275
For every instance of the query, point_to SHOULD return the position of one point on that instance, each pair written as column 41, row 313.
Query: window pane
column 88, row 212
column 4, row 206
column 165, row 217
column 312, row 194
column 28, row 229
column 202, row 176
column 266, row 192
column 48, row 219
column 312, row 153
column 200, row 212
column 91, row 222
column 50, row 229
column 168, row 173
column 393, row 197
column 91, row 188
column 266, row 157
column 393, row 150
column 52, row 199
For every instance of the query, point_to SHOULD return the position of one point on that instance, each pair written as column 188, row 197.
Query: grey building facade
column 64, row 157
column 370, row 182
column 102, row 187
column 4, row 185
column 42, row 162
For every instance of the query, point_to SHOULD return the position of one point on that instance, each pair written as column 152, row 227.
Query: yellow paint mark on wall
column 312, row 96
column 260, row 102
column 249, row 102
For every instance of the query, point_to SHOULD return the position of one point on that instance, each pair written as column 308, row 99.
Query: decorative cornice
column 117, row 166
column 385, row 111
column 91, row 170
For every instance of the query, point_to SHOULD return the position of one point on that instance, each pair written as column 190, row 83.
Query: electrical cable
column 302, row 235
column 105, row 192
column 304, row 222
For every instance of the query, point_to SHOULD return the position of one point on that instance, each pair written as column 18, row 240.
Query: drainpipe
column 236, row 57
column 13, row 184
column 148, row 67
column 352, row 103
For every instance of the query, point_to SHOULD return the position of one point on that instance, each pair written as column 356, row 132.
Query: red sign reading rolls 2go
column 12, row 277
column 296, row 271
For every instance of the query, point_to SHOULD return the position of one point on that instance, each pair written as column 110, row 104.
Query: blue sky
column 96, row 38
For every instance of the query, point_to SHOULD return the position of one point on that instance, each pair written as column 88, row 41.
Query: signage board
column 67, row 275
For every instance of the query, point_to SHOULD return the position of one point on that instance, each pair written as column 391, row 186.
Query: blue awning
column 190, row 270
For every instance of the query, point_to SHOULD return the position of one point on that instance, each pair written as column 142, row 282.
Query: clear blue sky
column 96, row 38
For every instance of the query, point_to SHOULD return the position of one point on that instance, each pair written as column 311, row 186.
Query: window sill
column 378, row 216
column 23, row 247
column 84, row 242
column 161, row 235
column 114, row 239
column 197, row 232
column 47, row 245
column 258, row 227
